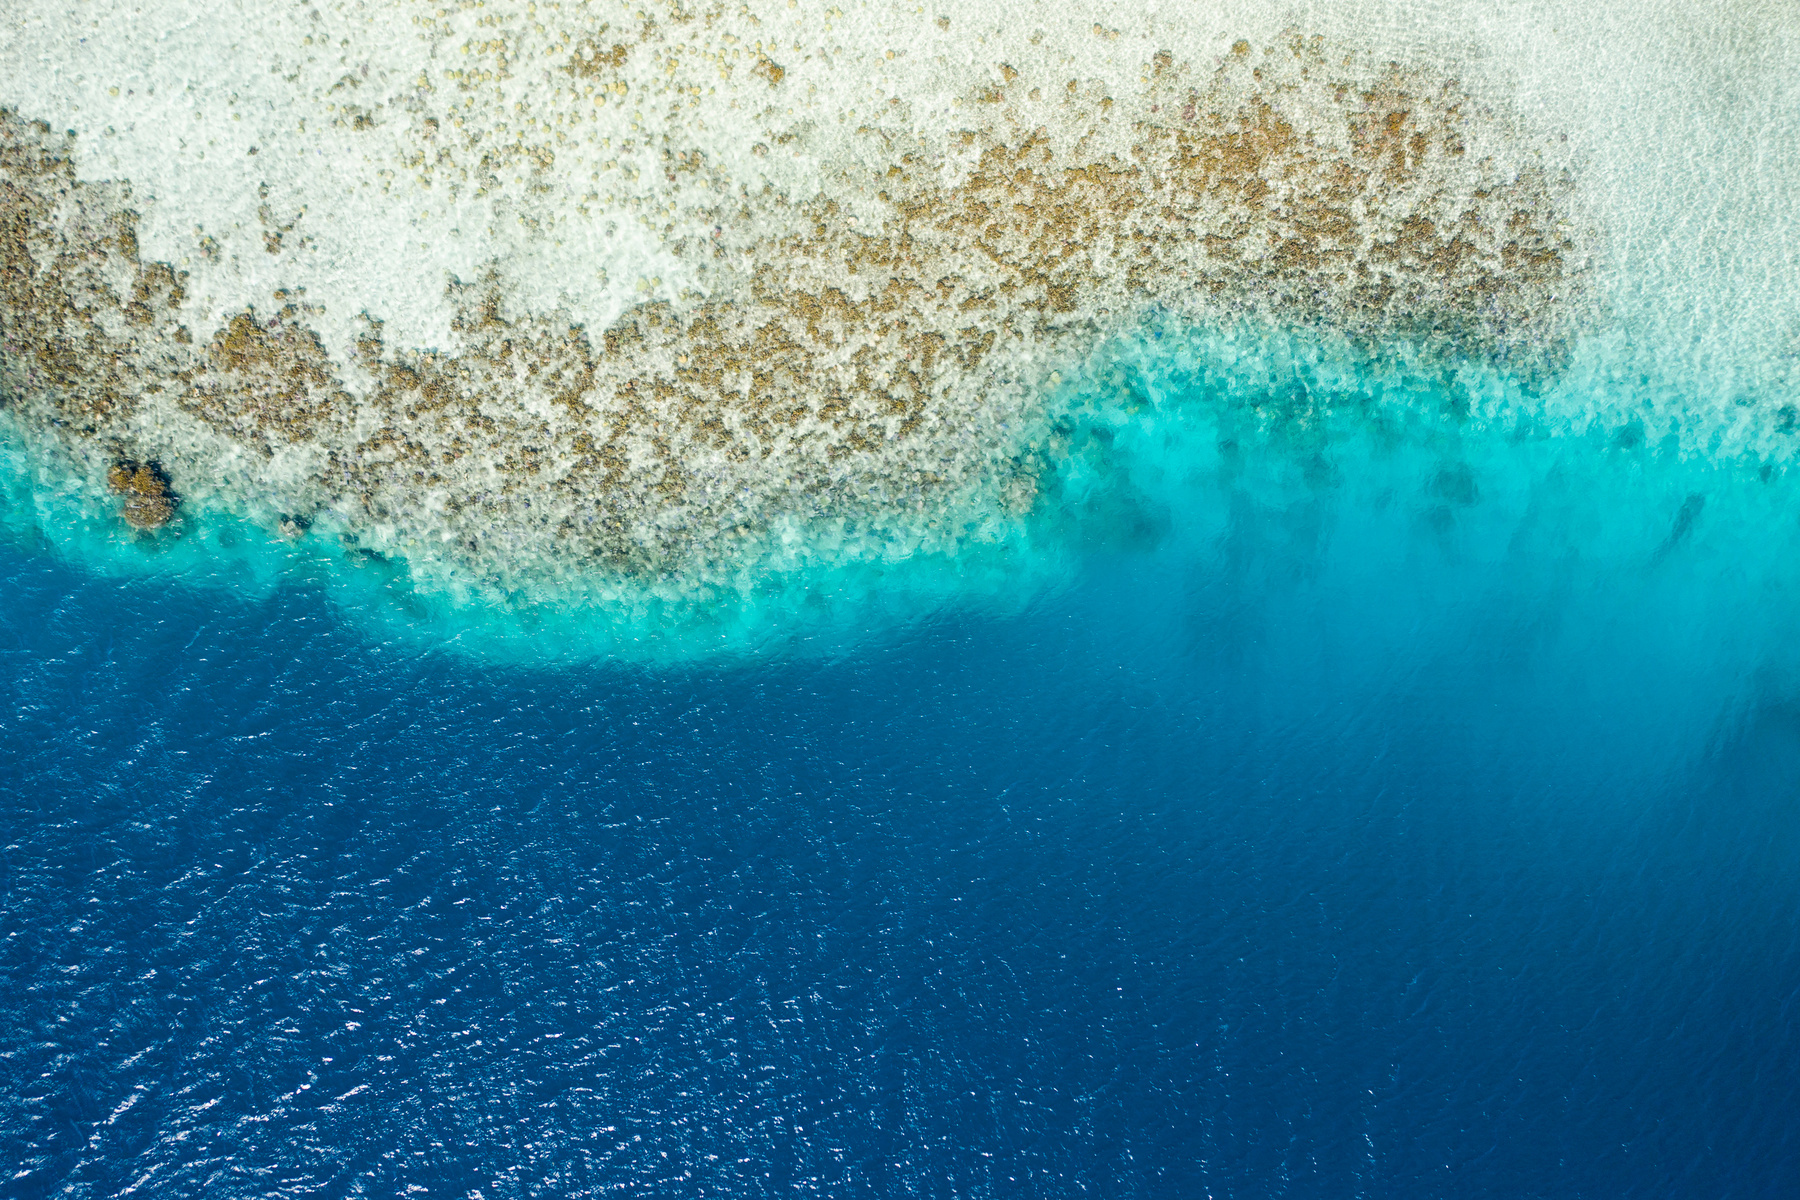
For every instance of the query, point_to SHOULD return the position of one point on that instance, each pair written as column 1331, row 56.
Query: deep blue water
column 1370, row 813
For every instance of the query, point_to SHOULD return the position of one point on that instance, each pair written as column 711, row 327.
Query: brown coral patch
column 86, row 328
column 270, row 379
column 149, row 504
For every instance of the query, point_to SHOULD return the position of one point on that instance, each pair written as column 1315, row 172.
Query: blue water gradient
column 1364, row 788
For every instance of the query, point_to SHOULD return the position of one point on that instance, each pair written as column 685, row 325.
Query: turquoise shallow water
column 1166, row 442
column 1350, row 781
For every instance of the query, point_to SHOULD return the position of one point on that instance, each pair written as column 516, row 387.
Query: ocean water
column 1359, row 779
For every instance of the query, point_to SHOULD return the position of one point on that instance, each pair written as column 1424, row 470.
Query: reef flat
column 859, row 341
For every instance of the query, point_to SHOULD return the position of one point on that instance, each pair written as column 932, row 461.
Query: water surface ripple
column 1397, row 818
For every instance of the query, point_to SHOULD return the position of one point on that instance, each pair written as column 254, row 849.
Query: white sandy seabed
column 650, row 311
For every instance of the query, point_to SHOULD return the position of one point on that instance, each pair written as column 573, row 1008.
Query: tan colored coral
column 149, row 504
column 883, row 372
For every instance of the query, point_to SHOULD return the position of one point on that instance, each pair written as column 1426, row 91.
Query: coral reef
column 882, row 363
column 149, row 504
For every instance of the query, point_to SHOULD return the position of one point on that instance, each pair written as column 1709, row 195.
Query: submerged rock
column 149, row 504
